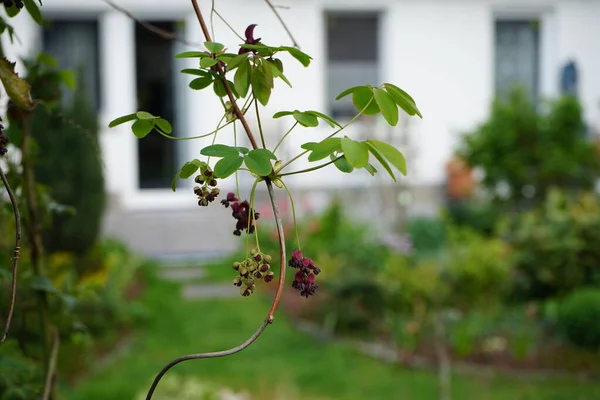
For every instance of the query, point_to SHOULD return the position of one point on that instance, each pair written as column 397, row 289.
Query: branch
column 153, row 28
column 280, row 235
column 294, row 43
column 15, row 265
column 51, row 365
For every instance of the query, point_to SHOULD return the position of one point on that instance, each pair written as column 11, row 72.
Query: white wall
column 440, row 51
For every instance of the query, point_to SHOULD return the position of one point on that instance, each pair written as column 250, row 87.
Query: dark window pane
column 517, row 56
column 74, row 44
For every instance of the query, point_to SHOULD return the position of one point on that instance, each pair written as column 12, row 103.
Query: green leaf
column 17, row 89
column 145, row 115
column 12, row 11
column 324, row 148
column 403, row 99
column 265, row 153
column 283, row 78
column 371, row 169
column 333, row 123
column 342, row 164
column 68, row 78
column 274, row 68
column 298, row 55
column 34, row 11
column 208, row 62
column 282, row 114
column 220, row 150
column 258, row 163
column 243, row 150
column 392, row 154
column 349, row 91
column 214, row 47
column 47, row 59
column 174, row 182
column 142, row 127
column 192, row 54
column 387, row 105
column 219, row 88
column 381, row 160
column 306, row 119
column 200, row 83
column 236, row 61
column 164, row 125
column 194, row 71
column 262, row 83
column 362, row 97
column 356, row 153
column 122, row 120
column 227, row 166
column 188, row 170
column 241, row 79
column 43, row 284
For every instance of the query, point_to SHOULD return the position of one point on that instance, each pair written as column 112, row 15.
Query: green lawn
column 281, row 358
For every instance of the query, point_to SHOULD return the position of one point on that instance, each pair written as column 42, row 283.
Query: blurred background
column 477, row 276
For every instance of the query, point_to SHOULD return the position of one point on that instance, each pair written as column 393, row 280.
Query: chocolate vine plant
column 243, row 80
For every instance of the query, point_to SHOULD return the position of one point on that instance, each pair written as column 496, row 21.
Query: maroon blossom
column 242, row 212
column 249, row 33
column 304, row 279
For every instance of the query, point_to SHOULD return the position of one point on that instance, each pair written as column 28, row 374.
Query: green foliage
column 579, row 316
column 555, row 248
column 427, row 235
column 524, row 149
column 75, row 180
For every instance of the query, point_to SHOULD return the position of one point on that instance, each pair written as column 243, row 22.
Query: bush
column 555, row 247
column 579, row 318
column 69, row 164
column 531, row 152
column 426, row 234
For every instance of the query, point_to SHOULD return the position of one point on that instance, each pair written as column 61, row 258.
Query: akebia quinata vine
column 242, row 77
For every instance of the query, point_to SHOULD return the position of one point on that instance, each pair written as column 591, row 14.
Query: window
column 517, row 59
column 353, row 55
column 74, row 44
column 157, row 92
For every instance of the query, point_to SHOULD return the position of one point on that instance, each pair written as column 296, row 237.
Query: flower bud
column 268, row 259
column 264, row 268
column 236, row 265
column 278, row 183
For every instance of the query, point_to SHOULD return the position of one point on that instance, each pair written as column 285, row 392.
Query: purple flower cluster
column 208, row 192
column 304, row 279
column 257, row 266
column 242, row 212
column 8, row 3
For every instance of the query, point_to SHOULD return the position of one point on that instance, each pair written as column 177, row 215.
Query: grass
column 281, row 358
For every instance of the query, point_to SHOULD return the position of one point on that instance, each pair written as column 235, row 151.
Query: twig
column 16, row 254
column 153, row 28
column 294, row 43
column 51, row 365
column 280, row 234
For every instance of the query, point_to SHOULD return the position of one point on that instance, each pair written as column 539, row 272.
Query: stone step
column 182, row 273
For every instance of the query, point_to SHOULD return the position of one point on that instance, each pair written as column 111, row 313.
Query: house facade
column 452, row 56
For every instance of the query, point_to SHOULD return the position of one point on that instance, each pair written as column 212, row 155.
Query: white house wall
column 440, row 51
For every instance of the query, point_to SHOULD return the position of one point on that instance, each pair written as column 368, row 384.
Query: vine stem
column 284, row 136
column 51, row 365
column 312, row 168
column 280, row 234
column 16, row 254
column 287, row 30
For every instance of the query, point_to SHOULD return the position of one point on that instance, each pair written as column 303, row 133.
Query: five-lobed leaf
column 391, row 154
column 220, row 150
column 122, row 120
column 142, row 127
column 387, row 106
column 356, row 153
column 258, row 162
column 214, row 47
column 403, row 99
column 241, row 79
column 227, row 166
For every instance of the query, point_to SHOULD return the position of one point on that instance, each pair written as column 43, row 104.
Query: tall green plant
column 75, row 180
column 529, row 151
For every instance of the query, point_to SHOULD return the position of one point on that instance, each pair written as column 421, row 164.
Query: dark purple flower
column 249, row 33
column 305, row 277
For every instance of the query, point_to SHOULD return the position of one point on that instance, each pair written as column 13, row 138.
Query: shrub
column 555, row 247
column 426, row 234
column 579, row 318
column 531, row 152
column 69, row 164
